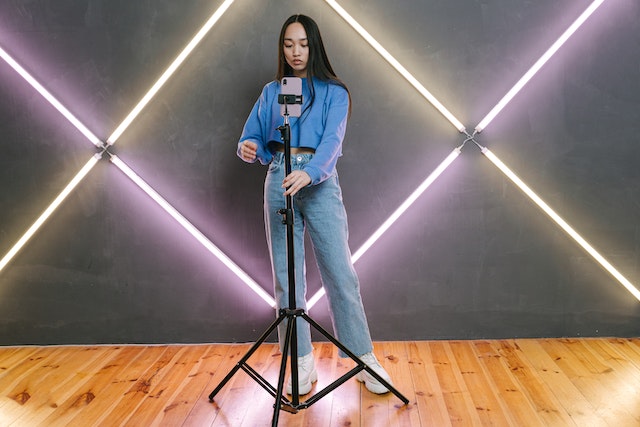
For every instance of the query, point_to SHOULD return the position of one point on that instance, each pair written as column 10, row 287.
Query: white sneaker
column 372, row 384
column 307, row 375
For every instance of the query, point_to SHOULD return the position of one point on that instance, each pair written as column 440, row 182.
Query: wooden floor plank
column 625, row 350
column 23, row 371
column 532, row 382
column 483, row 391
column 519, row 409
column 193, row 388
column 397, row 356
column 115, row 386
column 429, row 397
column 578, row 408
column 21, row 383
column 10, row 356
column 205, row 412
column 585, row 376
column 50, row 381
column 139, row 389
column 462, row 411
column 170, row 377
column 63, row 383
column 617, row 382
column 86, row 384
column 346, row 408
column 19, row 374
column 526, row 372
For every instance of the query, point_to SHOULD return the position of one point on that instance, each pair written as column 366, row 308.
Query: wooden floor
column 521, row 382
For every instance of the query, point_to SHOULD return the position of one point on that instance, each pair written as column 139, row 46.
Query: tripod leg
column 246, row 357
column 289, row 342
column 355, row 358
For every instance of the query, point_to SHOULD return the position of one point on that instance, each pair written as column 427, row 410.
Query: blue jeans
column 319, row 210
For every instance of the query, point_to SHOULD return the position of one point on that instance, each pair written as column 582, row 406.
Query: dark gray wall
column 474, row 258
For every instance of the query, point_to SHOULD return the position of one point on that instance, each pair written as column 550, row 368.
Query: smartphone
column 292, row 87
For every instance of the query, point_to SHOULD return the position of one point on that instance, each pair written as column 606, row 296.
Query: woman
column 316, row 144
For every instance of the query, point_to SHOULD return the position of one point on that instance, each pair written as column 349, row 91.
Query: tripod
column 291, row 314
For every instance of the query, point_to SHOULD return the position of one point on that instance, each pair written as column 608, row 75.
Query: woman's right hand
column 248, row 151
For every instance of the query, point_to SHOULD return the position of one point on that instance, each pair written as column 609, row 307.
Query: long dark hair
column 318, row 64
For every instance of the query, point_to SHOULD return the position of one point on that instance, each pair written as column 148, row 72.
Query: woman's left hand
column 295, row 181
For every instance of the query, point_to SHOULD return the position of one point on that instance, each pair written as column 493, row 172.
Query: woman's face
column 296, row 49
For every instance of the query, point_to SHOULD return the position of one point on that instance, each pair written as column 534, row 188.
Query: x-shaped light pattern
column 104, row 149
column 471, row 137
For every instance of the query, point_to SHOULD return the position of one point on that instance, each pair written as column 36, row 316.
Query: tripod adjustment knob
column 287, row 216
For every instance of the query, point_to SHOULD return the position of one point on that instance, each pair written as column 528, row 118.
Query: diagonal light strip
column 193, row 230
column 74, row 181
column 492, row 114
column 395, row 216
column 174, row 213
column 406, row 204
column 52, row 207
column 52, row 100
column 432, row 177
column 169, row 71
column 536, row 199
column 561, row 222
column 395, row 64
column 149, row 190
column 539, row 63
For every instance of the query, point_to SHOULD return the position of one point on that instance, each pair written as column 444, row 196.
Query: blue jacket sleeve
column 255, row 128
column 334, row 118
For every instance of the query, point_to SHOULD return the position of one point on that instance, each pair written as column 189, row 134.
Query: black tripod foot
column 289, row 408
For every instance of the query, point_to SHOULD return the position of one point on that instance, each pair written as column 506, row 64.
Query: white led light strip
column 395, row 216
column 47, row 213
column 169, row 71
column 192, row 230
column 432, row 177
column 74, row 181
column 539, row 63
column 561, row 222
column 406, row 204
column 52, row 100
column 85, row 170
column 395, row 64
